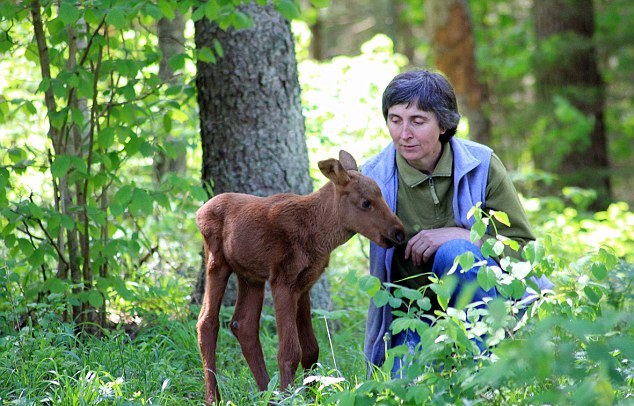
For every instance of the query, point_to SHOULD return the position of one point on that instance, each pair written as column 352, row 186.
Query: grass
column 587, row 326
column 50, row 364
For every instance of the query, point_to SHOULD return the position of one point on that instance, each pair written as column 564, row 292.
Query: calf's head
column 362, row 208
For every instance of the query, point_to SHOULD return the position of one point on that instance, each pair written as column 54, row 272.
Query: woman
column 431, row 180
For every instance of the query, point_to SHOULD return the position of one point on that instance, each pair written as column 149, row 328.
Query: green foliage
column 572, row 346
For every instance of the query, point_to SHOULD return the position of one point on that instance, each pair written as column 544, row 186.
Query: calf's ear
column 333, row 170
column 348, row 161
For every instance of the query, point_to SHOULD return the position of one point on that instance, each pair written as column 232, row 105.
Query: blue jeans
column 443, row 261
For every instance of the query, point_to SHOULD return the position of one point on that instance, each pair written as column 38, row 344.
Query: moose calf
column 285, row 239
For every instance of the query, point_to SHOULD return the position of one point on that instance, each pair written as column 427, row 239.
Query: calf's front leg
column 288, row 355
column 306, row 334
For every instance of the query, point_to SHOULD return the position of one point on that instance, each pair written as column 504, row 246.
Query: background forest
column 110, row 111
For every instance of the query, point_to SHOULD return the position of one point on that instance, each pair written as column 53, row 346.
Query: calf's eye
column 366, row 204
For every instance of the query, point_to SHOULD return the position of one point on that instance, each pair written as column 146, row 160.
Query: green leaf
column 288, row 9
column 534, row 252
column 199, row 193
column 518, row 288
column 477, row 231
column 133, row 146
column 54, row 285
column 486, row 278
column 610, row 259
column 37, row 257
column 501, row 217
column 167, row 123
column 488, row 248
column 78, row 117
column 520, row 270
column 163, row 200
column 381, row 298
column 60, row 166
column 141, row 201
column 444, row 289
column 466, row 261
column 205, row 55
column 599, row 271
column 177, row 61
column 593, row 293
column 123, row 196
column 241, row 20
column 94, row 298
column 211, row 10
column 30, row 108
column 424, row 304
column 369, row 284
column 116, row 18
column 68, row 13
column 218, row 48
column 167, row 8
column 67, row 222
column 79, row 164
column 394, row 302
column 16, row 154
column 408, row 293
column 105, row 139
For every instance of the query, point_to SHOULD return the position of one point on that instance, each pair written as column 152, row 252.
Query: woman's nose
column 406, row 131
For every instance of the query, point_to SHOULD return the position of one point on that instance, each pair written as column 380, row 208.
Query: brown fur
column 285, row 239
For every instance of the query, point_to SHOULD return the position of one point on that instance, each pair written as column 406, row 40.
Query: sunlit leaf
column 501, row 217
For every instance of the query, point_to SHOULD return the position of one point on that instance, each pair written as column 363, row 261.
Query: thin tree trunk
column 171, row 38
column 65, row 198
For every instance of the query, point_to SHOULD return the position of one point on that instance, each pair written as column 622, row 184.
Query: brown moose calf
column 285, row 239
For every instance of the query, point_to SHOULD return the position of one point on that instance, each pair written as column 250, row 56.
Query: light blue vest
column 470, row 172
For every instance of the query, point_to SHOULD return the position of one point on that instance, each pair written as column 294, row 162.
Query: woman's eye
column 366, row 204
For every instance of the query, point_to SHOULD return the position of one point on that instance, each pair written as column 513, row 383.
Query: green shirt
column 424, row 202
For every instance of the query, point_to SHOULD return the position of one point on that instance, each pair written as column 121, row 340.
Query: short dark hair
column 431, row 91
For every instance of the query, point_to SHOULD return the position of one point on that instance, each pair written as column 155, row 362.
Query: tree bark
column 252, row 128
column 450, row 29
column 566, row 65
column 171, row 38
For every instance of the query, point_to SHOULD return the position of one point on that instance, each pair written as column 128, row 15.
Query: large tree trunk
column 453, row 48
column 252, row 127
column 566, row 66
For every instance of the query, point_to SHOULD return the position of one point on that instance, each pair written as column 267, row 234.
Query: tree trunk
column 566, row 66
column 252, row 128
column 453, row 49
column 171, row 38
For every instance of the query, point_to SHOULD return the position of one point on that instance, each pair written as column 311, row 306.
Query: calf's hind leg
column 245, row 325
column 208, row 322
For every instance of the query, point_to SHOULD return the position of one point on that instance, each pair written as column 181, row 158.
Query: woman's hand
column 424, row 245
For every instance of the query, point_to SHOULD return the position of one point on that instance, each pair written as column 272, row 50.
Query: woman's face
column 416, row 135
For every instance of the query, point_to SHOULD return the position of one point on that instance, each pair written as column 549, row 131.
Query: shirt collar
column 413, row 177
